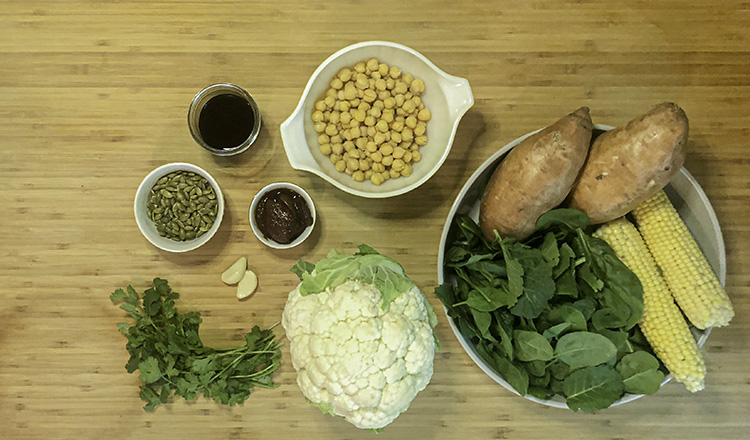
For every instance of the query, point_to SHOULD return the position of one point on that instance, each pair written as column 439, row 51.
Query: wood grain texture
column 94, row 95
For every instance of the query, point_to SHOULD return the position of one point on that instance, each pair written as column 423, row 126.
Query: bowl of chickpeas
column 376, row 119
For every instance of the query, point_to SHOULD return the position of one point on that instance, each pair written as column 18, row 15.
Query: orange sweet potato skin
column 629, row 164
column 535, row 177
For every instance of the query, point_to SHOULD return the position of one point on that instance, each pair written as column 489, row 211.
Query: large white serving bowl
column 448, row 98
column 683, row 191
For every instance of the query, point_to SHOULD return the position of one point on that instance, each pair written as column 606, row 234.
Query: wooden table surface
column 94, row 95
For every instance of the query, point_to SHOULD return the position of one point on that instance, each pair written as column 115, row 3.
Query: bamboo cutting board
column 95, row 95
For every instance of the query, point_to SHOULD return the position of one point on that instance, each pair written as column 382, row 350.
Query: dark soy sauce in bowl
column 226, row 121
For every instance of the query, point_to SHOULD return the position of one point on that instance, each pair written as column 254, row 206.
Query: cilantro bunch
column 165, row 347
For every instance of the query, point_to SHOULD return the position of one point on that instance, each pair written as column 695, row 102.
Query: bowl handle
column 458, row 93
column 293, row 137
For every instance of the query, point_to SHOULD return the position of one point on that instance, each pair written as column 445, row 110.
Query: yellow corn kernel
column 689, row 276
column 662, row 323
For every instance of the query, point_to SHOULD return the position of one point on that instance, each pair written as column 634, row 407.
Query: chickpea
column 388, row 115
column 344, row 106
column 411, row 122
column 355, row 154
column 368, row 174
column 336, row 139
column 320, row 127
column 369, row 121
column 376, row 179
column 387, row 161
column 334, row 158
column 406, row 172
column 354, row 102
column 398, row 165
column 420, row 129
column 359, row 115
column 394, row 174
column 407, row 134
column 380, row 84
column 365, row 164
column 329, row 101
column 382, row 126
column 386, row 176
column 350, row 92
column 378, row 104
column 360, row 67
column 375, row 112
column 394, row 72
column 325, row 149
column 408, row 155
column 379, row 138
column 317, row 116
column 407, row 79
column 400, row 88
column 348, row 146
column 320, row 105
column 345, row 157
column 356, row 132
column 390, row 83
column 345, row 74
column 399, row 99
column 360, row 142
column 361, row 82
column 372, row 131
column 420, row 140
column 337, row 149
column 376, row 157
column 417, row 86
column 371, row 146
column 352, row 164
column 398, row 153
column 409, row 106
column 387, row 103
column 358, row 176
column 373, row 64
column 336, row 83
column 424, row 115
column 345, row 117
column 337, row 94
column 385, row 94
column 378, row 167
column 324, row 139
column 370, row 95
column 396, row 137
column 398, row 125
column 348, row 171
column 340, row 166
column 334, row 118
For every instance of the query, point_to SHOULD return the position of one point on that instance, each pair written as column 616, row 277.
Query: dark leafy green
column 554, row 314
column 166, row 349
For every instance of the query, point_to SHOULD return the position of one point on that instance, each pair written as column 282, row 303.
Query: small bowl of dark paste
column 282, row 215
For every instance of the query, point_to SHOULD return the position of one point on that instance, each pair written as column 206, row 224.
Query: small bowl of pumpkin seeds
column 178, row 207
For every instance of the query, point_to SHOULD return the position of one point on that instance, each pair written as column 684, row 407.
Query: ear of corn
column 689, row 276
column 662, row 324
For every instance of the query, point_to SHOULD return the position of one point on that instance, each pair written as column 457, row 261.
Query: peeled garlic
column 247, row 284
column 234, row 274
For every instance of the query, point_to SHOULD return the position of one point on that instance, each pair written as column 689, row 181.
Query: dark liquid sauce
column 226, row 121
column 282, row 215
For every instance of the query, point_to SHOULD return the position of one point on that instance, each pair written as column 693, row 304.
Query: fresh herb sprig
column 555, row 314
column 165, row 347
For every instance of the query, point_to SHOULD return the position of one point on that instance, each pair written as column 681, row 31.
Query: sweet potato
column 629, row 164
column 535, row 177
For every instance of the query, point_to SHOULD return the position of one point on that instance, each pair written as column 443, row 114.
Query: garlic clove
column 247, row 284
column 234, row 274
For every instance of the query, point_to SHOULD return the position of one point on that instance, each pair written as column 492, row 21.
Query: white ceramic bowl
column 148, row 228
column 256, row 230
column 448, row 98
column 683, row 191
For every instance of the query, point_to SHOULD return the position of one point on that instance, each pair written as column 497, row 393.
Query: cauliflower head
column 360, row 353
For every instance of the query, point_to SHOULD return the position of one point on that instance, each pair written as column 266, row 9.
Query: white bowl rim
column 306, row 233
column 314, row 77
column 469, row 349
column 164, row 170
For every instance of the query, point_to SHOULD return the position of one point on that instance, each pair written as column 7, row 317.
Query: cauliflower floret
column 366, row 363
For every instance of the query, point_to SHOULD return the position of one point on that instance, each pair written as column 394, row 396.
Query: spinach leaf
column 640, row 372
column 571, row 219
column 584, row 349
column 531, row 346
column 592, row 388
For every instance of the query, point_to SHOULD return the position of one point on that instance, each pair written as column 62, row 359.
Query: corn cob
column 662, row 324
column 690, row 279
